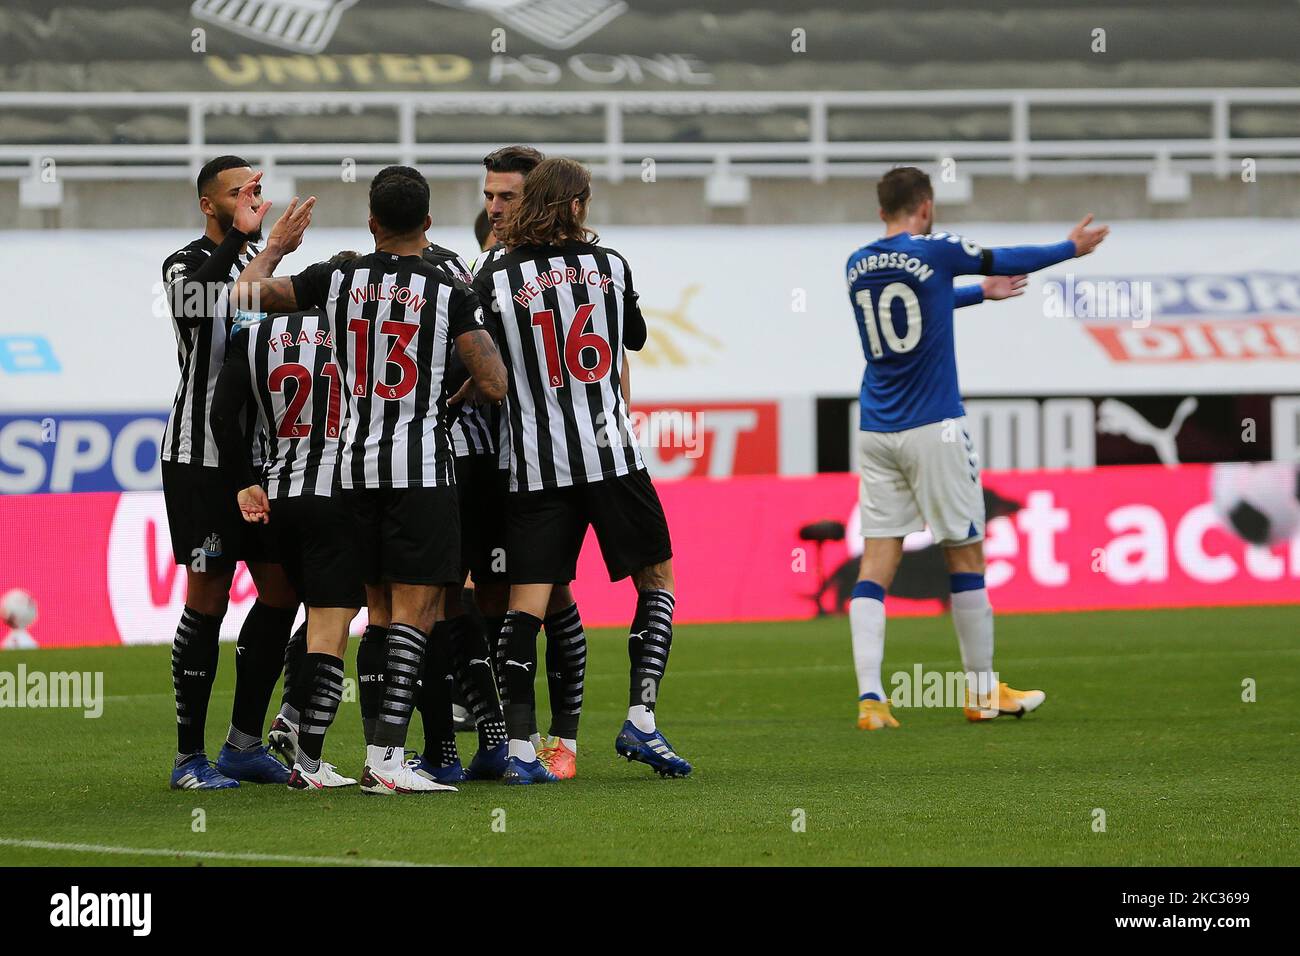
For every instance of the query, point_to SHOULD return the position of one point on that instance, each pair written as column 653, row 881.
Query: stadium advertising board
column 765, row 319
column 99, row 564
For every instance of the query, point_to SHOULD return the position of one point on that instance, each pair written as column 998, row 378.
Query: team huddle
column 397, row 431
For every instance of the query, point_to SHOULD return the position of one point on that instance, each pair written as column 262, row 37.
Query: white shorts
column 922, row 476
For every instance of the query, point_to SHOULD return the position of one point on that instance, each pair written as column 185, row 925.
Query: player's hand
column 1087, row 238
column 286, row 234
column 468, row 392
column 254, row 506
column 1004, row 287
column 250, row 210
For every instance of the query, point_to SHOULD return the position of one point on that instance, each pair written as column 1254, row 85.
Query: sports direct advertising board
column 99, row 564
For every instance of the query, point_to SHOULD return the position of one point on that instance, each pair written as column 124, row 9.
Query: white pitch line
column 203, row 854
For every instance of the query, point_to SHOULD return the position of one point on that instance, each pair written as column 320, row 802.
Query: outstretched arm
column 1013, row 260
column 256, row 290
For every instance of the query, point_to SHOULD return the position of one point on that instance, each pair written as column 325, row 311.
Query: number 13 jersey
column 394, row 322
column 562, row 316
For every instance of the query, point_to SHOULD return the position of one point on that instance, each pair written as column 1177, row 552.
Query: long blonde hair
column 544, row 215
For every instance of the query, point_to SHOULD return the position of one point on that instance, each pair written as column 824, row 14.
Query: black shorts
column 546, row 529
column 481, row 490
column 316, row 541
column 204, row 520
column 406, row 535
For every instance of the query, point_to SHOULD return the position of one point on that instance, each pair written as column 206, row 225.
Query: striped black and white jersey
column 472, row 427
column 394, row 320
column 196, row 281
column 285, row 363
column 562, row 316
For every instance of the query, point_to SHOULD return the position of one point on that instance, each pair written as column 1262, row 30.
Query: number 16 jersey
column 562, row 316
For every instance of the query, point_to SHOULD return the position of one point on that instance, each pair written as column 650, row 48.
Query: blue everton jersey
column 902, row 295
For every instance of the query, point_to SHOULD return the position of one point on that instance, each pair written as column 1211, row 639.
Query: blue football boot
column 197, row 773
column 518, row 772
column 453, row 773
column 651, row 749
column 252, row 766
column 489, row 764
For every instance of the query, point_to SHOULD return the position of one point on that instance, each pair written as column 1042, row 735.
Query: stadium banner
column 99, row 565
column 80, row 452
column 76, row 452
column 1025, row 434
column 764, row 319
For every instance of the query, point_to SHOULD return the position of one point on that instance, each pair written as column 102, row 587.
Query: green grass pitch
column 1144, row 719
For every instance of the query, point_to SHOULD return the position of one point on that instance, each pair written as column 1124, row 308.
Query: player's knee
column 965, row 559
column 657, row 577
column 273, row 587
column 208, row 592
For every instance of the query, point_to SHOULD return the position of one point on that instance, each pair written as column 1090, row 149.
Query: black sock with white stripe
column 434, row 699
column 648, row 644
column 370, row 677
column 566, row 665
column 472, row 665
column 323, row 673
column 404, row 653
column 295, row 654
column 194, row 668
column 517, row 665
column 259, row 659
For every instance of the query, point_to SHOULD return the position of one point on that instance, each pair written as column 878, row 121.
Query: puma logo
column 526, row 665
column 1116, row 418
column 479, row 660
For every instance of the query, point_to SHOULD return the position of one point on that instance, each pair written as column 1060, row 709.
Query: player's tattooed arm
column 487, row 373
column 256, row 290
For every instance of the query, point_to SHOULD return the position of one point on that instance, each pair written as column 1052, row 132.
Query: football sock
column 370, row 677
column 642, row 718
column 324, row 673
column 259, row 659
column 517, row 660
column 435, row 699
column 648, row 644
column 294, row 654
column 972, row 616
column 472, row 665
column 566, row 663
column 404, row 652
column 194, row 668
column 867, row 626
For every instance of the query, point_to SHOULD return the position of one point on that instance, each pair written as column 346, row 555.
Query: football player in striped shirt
column 396, row 320
column 563, row 309
column 479, row 446
column 283, row 366
column 208, row 537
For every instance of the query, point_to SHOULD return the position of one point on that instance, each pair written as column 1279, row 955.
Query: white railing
column 816, row 156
